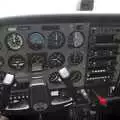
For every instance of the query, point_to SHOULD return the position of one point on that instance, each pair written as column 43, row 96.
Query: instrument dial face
column 56, row 40
column 75, row 58
column 76, row 39
column 37, row 59
column 36, row 41
column 16, row 62
column 56, row 60
column 14, row 41
column 75, row 76
column 54, row 77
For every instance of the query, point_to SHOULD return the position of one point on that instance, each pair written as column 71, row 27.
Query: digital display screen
column 104, row 39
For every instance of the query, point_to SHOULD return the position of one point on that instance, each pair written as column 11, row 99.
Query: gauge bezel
column 6, row 41
column 35, row 46
column 70, row 39
column 16, row 55
column 72, row 76
column 55, row 80
column 71, row 63
column 56, row 47
column 49, row 58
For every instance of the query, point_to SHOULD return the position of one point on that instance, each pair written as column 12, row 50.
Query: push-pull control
column 66, row 76
column 7, row 83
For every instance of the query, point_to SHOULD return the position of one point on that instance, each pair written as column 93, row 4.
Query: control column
column 39, row 95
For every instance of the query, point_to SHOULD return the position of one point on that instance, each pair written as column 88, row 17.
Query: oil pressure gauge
column 14, row 41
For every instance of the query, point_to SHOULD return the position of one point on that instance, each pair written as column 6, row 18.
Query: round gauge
column 54, row 77
column 76, row 39
column 75, row 58
column 75, row 76
column 1, row 61
column 56, row 60
column 56, row 40
column 14, row 41
column 36, row 41
column 16, row 62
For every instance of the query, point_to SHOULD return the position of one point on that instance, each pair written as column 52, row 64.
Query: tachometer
column 14, row 41
column 56, row 40
column 56, row 60
column 36, row 41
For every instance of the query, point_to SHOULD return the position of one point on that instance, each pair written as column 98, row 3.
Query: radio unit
column 103, row 56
